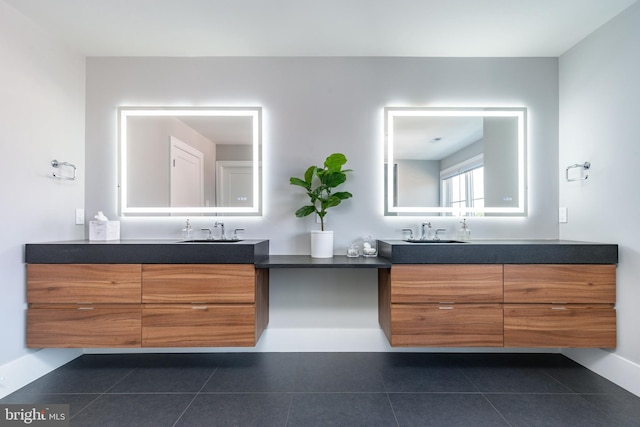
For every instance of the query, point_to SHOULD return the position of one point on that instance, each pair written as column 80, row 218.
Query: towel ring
column 584, row 166
column 57, row 164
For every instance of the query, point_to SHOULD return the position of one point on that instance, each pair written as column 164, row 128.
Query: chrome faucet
column 222, row 235
column 425, row 233
column 436, row 237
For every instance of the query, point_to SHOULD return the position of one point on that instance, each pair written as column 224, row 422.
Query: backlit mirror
column 455, row 161
column 190, row 161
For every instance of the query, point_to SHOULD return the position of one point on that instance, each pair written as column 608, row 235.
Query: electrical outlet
column 79, row 216
column 562, row 215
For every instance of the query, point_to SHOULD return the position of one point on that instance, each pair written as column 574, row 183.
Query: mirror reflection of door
column 234, row 184
column 187, row 175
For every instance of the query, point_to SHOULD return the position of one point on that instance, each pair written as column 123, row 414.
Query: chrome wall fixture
column 60, row 165
column 584, row 166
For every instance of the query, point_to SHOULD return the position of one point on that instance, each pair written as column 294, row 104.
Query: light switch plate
column 79, row 216
column 562, row 215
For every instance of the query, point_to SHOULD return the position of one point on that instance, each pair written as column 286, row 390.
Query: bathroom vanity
column 498, row 294
column 146, row 294
column 156, row 293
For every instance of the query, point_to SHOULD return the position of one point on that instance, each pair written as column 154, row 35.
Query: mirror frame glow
column 390, row 113
column 255, row 113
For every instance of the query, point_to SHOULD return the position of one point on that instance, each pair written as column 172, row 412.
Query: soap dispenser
column 187, row 231
column 464, row 234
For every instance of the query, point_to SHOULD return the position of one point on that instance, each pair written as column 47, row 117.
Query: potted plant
column 319, row 183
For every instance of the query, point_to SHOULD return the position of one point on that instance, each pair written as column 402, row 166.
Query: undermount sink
column 434, row 241
column 210, row 241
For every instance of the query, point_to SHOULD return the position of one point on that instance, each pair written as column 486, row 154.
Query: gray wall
column 316, row 106
column 599, row 116
column 41, row 119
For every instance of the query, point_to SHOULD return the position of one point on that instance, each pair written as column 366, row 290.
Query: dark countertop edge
column 305, row 261
column 499, row 252
column 140, row 251
column 177, row 241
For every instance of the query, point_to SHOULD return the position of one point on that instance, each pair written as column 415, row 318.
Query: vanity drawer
column 568, row 283
column 559, row 325
column 100, row 325
column 426, row 283
column 83, row 283
column 187, row 283
column 446, row 325
column 199, row 325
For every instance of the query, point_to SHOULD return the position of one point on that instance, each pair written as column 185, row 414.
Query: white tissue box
column 104, row 230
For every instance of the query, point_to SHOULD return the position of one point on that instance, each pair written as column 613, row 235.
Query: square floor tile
column 549, row 410
column 514, row 380
column 341, row 409
column 237, row 409
column 443, row 409
column 623, row 406
column 78, row 379
column 140, row 410
column 339, row 372
column 254, row 372
column 163, row 380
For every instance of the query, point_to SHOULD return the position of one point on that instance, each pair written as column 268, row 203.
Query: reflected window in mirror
column 455, row 161
column 190, row 161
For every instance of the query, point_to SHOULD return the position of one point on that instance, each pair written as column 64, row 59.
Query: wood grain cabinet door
column 198, row 325
column 437, row 283
column 559, row 325
column 446, row 325
column 560, row 283
column 198, row 283
column 83, row 283
column 101, row 325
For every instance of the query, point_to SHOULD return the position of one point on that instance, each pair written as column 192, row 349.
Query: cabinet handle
column 84, row 302
column 85, row 308
column 199, row 307
column 558, row 308
column 445, row 308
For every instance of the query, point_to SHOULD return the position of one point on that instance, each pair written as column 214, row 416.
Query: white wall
column 41, row 119
column 599, row 95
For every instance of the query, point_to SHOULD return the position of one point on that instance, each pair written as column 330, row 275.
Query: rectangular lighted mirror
column 455, row 161
column 190, row 161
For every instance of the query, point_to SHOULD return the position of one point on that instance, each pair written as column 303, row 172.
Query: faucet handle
column 436, row 237
column 410, row 232
column 209, row 234
column 235, row 233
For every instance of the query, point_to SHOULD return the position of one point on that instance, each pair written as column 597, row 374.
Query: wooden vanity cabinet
column 441, row 305
column 553, row 305
column 197, row 305
column 150, row 305
column 83, row 305
column 510, row 305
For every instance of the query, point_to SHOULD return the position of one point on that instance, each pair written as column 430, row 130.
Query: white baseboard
column 20, row 372
column 617, row 369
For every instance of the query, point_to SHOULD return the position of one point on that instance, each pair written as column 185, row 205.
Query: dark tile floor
column 332, row 389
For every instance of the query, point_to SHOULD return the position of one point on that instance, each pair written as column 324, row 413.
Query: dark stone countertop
column 499, row 252
column 152, row 251
column 338, row 261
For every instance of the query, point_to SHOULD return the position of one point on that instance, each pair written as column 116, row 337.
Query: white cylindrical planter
column 321, row 244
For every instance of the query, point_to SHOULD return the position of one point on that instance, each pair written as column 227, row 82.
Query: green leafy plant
column 319, row 183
